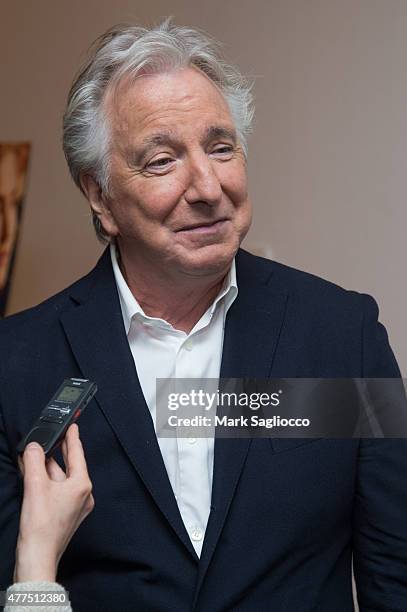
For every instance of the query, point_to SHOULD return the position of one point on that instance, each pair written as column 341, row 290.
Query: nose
column 203, row 184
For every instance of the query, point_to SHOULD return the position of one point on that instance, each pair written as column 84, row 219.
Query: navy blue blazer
column 286, row 514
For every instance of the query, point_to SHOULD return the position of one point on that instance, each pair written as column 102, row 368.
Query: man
column 154, row 135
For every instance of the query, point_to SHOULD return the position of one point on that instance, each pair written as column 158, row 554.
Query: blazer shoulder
column 303, row 285
column 42, row 316
column 325, row 314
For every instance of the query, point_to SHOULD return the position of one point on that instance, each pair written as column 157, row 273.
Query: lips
column 194, row 226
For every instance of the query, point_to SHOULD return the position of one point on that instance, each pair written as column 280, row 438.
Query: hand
column 54, row 505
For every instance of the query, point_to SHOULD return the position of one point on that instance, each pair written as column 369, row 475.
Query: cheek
column 234, row 182
column 154, row 198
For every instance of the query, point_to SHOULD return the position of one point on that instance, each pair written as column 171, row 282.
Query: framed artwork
column 14, row 158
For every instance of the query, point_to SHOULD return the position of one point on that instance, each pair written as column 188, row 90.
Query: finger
column 34, row 464
column 54, row 471
column 90, row 504
column 21, row 464
column 75, row 454
column 64, row 449
column 72, row 430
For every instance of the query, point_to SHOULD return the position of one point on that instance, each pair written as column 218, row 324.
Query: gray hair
column 125, row 51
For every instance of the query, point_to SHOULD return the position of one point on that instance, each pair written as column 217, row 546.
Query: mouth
column 210, row 227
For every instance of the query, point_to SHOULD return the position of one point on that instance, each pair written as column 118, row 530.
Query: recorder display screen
column 69, row 394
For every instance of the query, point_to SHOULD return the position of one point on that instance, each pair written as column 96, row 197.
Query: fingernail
column 33, row 446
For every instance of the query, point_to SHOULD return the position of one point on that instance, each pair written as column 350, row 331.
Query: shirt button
column 188, row 345
column 196, row 535
column 191, row 440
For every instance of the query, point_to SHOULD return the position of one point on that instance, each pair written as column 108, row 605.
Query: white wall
column 328, row 156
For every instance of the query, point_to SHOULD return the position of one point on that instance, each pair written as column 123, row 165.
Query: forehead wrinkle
column 158, row 138
column 138, row 109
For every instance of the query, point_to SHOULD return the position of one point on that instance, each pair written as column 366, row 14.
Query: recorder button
column 52, row 419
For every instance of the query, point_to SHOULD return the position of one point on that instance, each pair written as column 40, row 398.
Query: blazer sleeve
column 380, row 509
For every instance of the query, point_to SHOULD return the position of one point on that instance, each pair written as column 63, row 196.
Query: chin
column 209, row 260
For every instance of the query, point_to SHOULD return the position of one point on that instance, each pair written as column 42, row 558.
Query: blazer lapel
column 252, row 331
column 97, row 337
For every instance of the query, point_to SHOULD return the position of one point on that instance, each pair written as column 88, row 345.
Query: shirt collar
column 130, row 306
column 128, row 303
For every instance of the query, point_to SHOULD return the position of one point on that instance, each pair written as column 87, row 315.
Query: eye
column 223, row 151
column 161, row 163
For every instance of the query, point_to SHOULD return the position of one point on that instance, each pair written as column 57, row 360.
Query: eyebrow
column 168, row 138
column 219, row 131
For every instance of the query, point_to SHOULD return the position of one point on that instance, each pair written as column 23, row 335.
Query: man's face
column 178, row 200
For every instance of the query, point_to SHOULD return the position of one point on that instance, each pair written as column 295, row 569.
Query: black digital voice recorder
column 61, row 411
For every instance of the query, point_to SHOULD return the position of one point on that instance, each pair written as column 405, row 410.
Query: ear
column 99, row 203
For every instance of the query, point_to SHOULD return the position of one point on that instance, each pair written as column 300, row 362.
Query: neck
column 181, row 302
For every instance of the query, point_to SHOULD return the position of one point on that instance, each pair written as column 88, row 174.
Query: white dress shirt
column 161, row 351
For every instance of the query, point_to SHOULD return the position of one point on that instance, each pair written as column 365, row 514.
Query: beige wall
column 328, row 156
